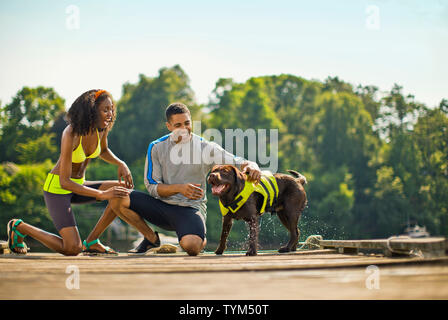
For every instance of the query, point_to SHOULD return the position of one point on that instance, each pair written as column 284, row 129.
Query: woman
column 90, row 119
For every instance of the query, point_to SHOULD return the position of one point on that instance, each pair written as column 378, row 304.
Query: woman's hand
column 114, row 192
column 125, row 173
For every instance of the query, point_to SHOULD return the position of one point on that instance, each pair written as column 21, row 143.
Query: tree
column 372, row 104
column 256, row 109
column 331, row 198
column 30, row 115
column 391, row 208
column 398, row 113
column 21, row 195
column 141, row 111
column 344, row 132
column 295, row 105
column 443, row 106
column 37, row 150
column 431, row 139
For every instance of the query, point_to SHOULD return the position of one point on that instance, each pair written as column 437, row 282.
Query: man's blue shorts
column 183, row 220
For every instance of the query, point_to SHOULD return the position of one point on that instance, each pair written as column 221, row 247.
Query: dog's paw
column 219, row 251
column 251, row 253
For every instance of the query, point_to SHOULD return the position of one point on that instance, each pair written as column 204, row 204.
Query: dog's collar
column 267, row 187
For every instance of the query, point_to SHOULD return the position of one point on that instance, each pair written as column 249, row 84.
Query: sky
column 74, row 46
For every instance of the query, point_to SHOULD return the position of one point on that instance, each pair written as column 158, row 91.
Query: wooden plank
column 289, row 276
column 395, row 243
column 4, row 247
column 123, row 264
column 425, row 246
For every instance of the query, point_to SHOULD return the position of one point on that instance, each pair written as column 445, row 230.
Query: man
column 175, row 177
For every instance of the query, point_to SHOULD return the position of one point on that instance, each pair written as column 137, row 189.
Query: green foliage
column 30, row 115
column 21, row 194
column 398, row 113
column 391, row 206
column 332, row 133
column 331, row 199
column 141, row 111
column 368, row 95
column 38, row 149
column 373, row 164
column 342, row 130
column 100, row 170
column 431, row 138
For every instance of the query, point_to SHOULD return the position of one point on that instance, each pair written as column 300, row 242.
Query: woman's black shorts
column 60, row 209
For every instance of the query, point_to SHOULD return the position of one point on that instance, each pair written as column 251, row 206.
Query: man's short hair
column 175, row 108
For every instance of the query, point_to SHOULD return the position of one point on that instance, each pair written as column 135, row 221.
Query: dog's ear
column 239, row 176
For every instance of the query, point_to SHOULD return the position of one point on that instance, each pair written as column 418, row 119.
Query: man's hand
column 125, row 173
column 252, row 171
column 191, row 191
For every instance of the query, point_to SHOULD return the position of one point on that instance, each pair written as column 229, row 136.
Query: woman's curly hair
column 83, row 113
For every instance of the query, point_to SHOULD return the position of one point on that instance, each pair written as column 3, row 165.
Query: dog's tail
column 299, row 177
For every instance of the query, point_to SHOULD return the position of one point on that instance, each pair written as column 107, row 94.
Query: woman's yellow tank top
column 79, row 156
column 52, row 183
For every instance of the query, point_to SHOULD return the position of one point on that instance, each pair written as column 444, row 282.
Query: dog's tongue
column 218, row 189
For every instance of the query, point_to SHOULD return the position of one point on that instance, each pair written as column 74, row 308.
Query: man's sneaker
column 144, row 246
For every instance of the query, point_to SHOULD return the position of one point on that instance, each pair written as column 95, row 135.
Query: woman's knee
column 72, row 249
column 71, row 241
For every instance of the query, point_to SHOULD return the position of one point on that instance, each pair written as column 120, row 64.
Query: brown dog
column 228, row 182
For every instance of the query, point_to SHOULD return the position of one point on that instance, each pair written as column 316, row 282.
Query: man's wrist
column 177, row 188
column 252, row 165
column 165, row 190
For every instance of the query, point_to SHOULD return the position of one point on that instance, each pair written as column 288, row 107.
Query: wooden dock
column 307, row 274
column 423, row 247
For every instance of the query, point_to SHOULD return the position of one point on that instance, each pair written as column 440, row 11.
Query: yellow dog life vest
column 267, row 187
